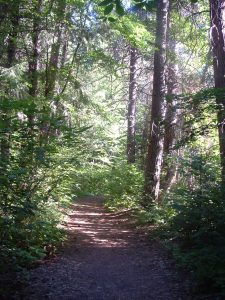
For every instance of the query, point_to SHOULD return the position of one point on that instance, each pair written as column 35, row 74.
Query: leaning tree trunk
column 155, row 147
column 217, row 10
column 131, row 116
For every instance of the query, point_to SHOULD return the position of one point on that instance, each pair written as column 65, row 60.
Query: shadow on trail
column 105, row 257
column 93, row 226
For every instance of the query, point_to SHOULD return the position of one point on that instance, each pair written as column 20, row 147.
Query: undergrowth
column 196, row 237
column 120, row 183
column 195, row 231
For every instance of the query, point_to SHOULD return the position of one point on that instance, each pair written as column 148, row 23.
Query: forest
column 118, row 99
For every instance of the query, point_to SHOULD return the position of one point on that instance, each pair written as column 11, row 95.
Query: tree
column 171, row 111
column 131, row 116
column 10, row 61
column 35, row 51
column 155, row 147
column 52, row 67
column 217, row 13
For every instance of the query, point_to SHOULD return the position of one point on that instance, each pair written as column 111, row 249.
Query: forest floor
column 106, row 257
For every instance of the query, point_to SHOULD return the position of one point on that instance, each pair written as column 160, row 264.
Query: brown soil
column 106, row 258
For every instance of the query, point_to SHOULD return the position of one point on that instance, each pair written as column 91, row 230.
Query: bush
column 118, row 181
column 196, row 230
column 31, row 172
column 199, row 228
column 25, row 240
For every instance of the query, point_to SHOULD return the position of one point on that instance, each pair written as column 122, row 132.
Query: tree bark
column 170, row 133
column 131, row 117
column 64, row 50
column 4, row 7
column 34, row 59
column 145, row 134
column 6, row 113
column 217, row 12
column 155, row 147
column 171, row 112
column 33, row 75
column 52, row 69
column 11, row 51
column 11, row 55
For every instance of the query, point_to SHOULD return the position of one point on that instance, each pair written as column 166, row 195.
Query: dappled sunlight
column 93, row 226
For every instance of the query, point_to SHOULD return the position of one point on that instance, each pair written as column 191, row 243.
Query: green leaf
column 105, row 2
column 119, row 8
column 108, row 9
column 111, row 19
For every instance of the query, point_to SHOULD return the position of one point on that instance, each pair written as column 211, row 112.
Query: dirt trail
column 106, row 258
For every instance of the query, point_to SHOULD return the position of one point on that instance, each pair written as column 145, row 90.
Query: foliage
column 119, row 182
column 195, row 230
column 29, row 209
column 199, row 231
column 28, row 214
column 30, row 238
column 136, row 33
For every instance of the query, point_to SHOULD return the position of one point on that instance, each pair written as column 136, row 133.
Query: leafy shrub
column 29, row 238
column 199, row 228
column 118, row 181
column 196, row 230
column 31, row 175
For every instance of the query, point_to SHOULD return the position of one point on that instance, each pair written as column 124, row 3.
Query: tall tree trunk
column 131, row 117
column 11, row 51
column 217, row 11
column 52, row 69
column 171, row 112
column 33, row 75
column 11, row 55
column 155, row 147
column 6, row 113
column 64, row 49
column 3, row 11
column 145, row 134
column 4, row 7
column 34, row 59
column 170, row 123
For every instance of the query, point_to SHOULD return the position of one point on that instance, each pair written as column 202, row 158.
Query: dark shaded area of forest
column 124, row 99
